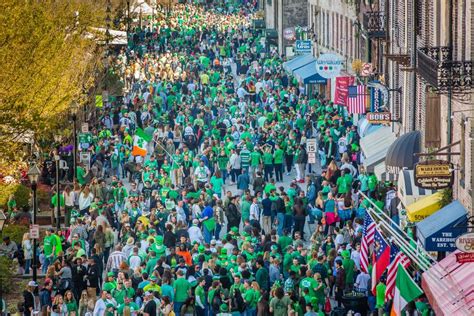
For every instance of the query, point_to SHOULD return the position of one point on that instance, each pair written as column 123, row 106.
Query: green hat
column 346, row 254
column 201, row 249
column 224, row 308
column 143, row 236
column 234, row 229
column 111, row 201
column 153, row 278
column 108, row 287
column 152, row 231
column 314, row 301
column 110, row 274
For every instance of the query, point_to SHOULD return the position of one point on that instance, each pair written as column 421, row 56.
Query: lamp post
column 74, row 108
column 57, row 159
column 3, row 219
column 33, row 176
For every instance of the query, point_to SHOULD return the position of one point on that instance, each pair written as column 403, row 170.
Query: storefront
column 298, row 62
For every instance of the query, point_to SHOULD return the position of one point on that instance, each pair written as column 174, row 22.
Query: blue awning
column 308, row 74
column 438, row 232
column 298, row 62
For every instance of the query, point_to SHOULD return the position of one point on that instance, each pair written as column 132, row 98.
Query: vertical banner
column 342, row 84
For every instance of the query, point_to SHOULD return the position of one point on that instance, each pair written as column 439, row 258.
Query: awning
column 449, row 286
column 309, row 75
column 298, row 62
column 424, row 207
column 401, row 153
column 408, row 192
column 116, row 37
column 364, row 127
column 375, row 146
column 439, row 231
column 141, row 7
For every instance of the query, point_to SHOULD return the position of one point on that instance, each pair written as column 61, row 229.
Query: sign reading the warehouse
column 329, row 65
column 303, row 47
column 379, row 117
column 433, row 175
column 465, row 242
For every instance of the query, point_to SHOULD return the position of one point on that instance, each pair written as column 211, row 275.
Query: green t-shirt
column 380, row 295
column 255, row 158
column 267, row 158
column 48, row 245
column 132, row 305
column 250, row 298
column 57, row 244
column 217, row 184
column 310, row 284
column 278, row 156
column 280, row 306
column 199, row 291
column 181, row 288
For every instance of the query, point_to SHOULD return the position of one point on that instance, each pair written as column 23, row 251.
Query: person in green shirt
column 380, row 296
column 308, row 283
column 217, row 183
column 280, row 303
column 262, row 276
column 268, row 164
column 48, row 250
column 278, row 163
column 200, row 296
column 71, row 303
column 249, row 297
column 182, row 290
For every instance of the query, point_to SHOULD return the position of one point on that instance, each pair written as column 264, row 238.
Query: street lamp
column 74, row 109
column 33, row 175
column 57, row 158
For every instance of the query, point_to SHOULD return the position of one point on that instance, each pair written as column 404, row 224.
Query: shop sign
column 303, row 47
column 465, row 257
column 289, row 34
column 34, row 231
column 465, row 243
column 434, row 175
column 329, row 65
column 379, row 117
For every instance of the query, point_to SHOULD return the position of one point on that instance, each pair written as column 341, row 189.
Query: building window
column 433, row 119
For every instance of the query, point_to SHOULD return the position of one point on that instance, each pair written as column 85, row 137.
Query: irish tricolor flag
column 406, row 290
column 140, row 142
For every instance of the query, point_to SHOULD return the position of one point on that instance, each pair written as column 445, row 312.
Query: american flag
column 396, row 257
column 381, row 258
column 356, row 99
column 367, row 240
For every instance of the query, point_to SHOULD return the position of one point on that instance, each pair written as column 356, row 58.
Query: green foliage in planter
column 15, row 232
column 20, row 191
column 7, row 272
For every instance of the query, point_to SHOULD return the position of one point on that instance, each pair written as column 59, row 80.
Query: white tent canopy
column 141, row 7
column 116, row 37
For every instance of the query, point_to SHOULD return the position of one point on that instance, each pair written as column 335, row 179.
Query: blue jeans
column 27, row 266
column 47, row 262
column 177, row 307
column 217, row 231
column 281, row 222
column 250, row 311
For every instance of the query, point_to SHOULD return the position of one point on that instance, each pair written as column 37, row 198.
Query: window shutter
column 433, row 120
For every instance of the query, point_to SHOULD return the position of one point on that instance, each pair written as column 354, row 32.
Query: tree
column 47, row 61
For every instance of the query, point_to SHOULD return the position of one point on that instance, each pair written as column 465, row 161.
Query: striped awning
column 408, row 192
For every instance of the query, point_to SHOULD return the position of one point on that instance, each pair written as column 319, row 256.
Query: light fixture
column 3, row 219
column 34, row 173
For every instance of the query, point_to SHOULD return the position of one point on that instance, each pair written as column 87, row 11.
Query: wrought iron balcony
column 375, row 23
column 436, row 67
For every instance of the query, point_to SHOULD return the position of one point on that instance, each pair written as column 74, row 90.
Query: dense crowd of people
column 206, row 222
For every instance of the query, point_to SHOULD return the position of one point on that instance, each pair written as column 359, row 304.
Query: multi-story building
column 430, row 55
column 282, row 15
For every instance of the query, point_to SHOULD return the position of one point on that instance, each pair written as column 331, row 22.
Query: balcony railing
column 375, row 24
column 436, row 67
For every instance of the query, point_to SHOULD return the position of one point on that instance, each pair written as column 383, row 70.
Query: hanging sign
column 289, row 34
column 303, row 47
column 434, row 175
column 379, row 117
column 465, row 243
column 465, row 257
column 34, row 231
column 329, row 65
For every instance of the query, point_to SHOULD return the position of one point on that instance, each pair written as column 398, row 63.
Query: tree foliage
column 47, row 61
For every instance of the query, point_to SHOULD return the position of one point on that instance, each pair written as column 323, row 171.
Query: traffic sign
column 34, row 231
column 311, row 145
column 303, row 47
column 311, row 157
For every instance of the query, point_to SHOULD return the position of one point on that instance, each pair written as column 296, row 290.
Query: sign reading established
column 435, row 175
column 465, row 243
column 379, row 117
column 303, row 47
column 329, row 65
